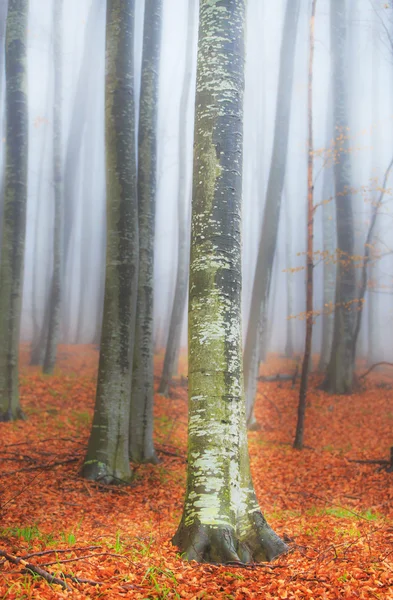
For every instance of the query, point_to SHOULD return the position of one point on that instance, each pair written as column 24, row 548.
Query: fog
column 369, row 74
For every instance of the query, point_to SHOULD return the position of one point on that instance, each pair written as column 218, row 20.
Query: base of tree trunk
column 151, row 459
column 98, row 471
column 221, row 545
column 9, row 415
column 163, row 389
column 332, row 386
column 252, row 423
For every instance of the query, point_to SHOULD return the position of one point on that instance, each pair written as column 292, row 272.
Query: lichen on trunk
column 221, row 519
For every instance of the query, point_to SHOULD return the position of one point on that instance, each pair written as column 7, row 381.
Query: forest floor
column 335, row 513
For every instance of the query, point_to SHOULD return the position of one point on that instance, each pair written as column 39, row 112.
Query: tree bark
column 141, row 417
column 107, row 457
column 15, row 200
column 221, row 519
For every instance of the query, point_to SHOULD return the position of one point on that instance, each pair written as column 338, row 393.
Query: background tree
column 14, row 215
column 3, row 20
column 329, row 249
column 179, row 300
column 221, row 519
column 84, row 96
column 107, row 454
column 271, row 215
column 141, row 417
column 54, row 313
column 289, row 344
column 298, row 443
column 339, row 374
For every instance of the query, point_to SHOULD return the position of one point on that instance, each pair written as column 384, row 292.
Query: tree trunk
column 3, row 20
column 80, row 109
column 329, row 267
column 372, row 308
column 221, row 519
column 179, row 300
column 298, row 443
column 55, row 293
column 372, row 299
column 141, row 418
column 107, row 457
column 40, row 328
column 268, row 239
column 15, row 199
column 289, row 346
column 339, row 375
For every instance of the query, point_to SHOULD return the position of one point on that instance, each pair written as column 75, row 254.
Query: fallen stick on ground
column 49, row 577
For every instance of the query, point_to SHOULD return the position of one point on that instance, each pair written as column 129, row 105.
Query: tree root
column 7, row 416
column 221, row 545
column 99, row 472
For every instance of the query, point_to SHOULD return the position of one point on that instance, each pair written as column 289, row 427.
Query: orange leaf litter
column 335, row 514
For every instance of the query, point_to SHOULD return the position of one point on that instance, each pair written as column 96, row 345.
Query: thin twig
column 378, row 364
column 49, row 577
column 58, row 551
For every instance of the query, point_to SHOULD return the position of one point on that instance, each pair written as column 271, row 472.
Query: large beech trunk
column 221, row 519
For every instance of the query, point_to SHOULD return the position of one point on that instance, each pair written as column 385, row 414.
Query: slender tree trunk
column 372, row 307
column 298, row 443
column 289, row 346
column 107, row 457
column 84, row 94
column 339, row 374
column 372, row 300
column 15, row 199
column 221, row 519
column 367, row 257
column 40, row 326
column 179, row 300
column 55, row 293
column 268, row 239
column 329, row 267
column 141, row 418
column 87, row 261
column 3, row 20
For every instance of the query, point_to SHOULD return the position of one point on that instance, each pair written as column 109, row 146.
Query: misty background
column 369, row 72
